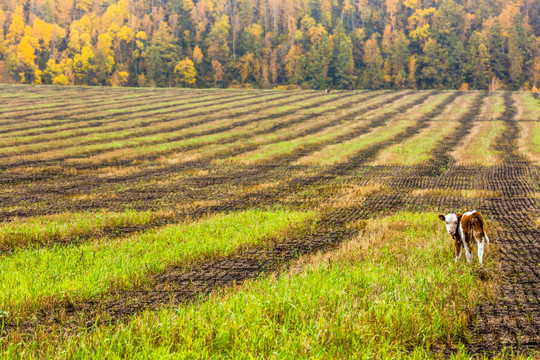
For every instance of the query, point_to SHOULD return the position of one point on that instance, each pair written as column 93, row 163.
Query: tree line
column 347, row 44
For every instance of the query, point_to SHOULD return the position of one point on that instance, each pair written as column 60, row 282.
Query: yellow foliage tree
column 139, row 38
column 82, row 65
column 16, row 29
column 197, row 55
column 185, row 72
column 246, row 66
column 187, row 5
column 119, row 78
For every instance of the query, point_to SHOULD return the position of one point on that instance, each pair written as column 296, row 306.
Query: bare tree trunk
column 231, row 5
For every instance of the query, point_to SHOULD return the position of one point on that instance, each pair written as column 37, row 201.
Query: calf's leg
column 458, row 246
column 468, row 250
column 479, row 237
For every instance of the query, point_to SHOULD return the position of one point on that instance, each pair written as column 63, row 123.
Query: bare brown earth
column 196, row 188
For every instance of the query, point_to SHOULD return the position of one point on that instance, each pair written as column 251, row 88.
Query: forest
column 284, row 44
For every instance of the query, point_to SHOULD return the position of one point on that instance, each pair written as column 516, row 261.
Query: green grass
column 45, row 230
column 393, row 292
column 417, row 149
column 435, row 101
column 536, row 138
column 498, row 105
column 29, row 277
column 284, row 148
column 342, row 152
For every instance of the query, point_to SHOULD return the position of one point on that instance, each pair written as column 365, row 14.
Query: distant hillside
column 374, row 44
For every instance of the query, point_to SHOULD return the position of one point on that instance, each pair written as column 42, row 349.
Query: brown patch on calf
column 473, row 227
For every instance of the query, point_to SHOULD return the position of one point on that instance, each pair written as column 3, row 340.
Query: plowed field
column 86, row 173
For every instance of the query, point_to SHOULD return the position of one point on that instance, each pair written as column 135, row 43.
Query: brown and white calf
column 465, row 227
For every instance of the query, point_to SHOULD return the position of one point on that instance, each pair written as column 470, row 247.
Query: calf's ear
column 442, row 217
column 458, row 215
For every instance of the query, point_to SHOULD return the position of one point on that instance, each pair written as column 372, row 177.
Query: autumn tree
column 185, row 73
column 372, row 77
column 218, row 71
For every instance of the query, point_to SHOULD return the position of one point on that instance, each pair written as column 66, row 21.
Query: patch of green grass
column 44, row 230
column 417, row 149
column 341, row 152
column 284, row 147
column 284, row 108
column 535, row 140
column 498, row 105
column 393, row 292
column 31, row 277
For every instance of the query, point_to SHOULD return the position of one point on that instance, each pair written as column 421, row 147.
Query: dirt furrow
column 513, row 319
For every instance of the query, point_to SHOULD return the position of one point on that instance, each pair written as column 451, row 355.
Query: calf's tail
column 483, row 225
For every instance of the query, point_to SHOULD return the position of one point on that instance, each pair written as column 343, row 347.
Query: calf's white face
column 451, row 222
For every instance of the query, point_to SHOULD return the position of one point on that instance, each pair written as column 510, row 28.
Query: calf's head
column 451, row 221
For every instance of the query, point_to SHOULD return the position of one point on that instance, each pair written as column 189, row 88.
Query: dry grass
column 457, row 193
column 350, row 195
column 477, row 148
column 336, row 196
column 390, row 108
column 527, row 107
column 114, row 171
column 457, row 108
column 493, row 107
column 37, row 170
column 258, row 187
column 529, row 140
